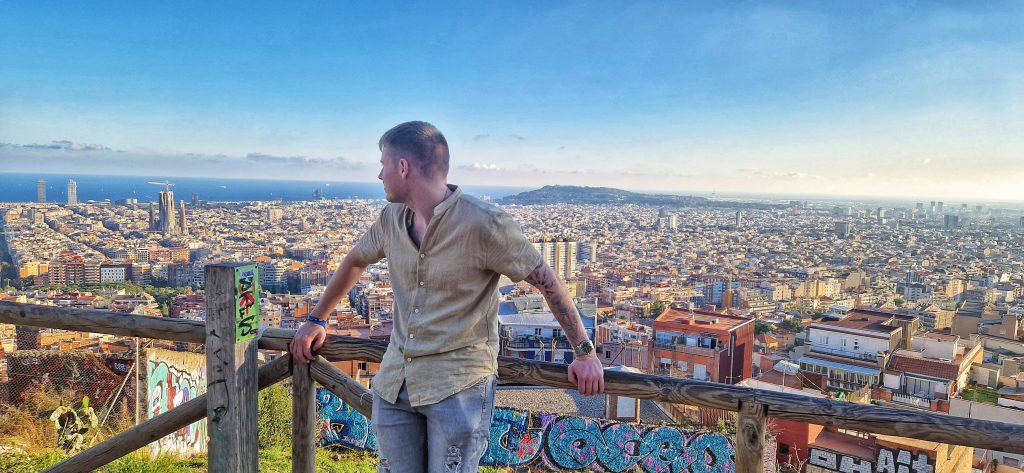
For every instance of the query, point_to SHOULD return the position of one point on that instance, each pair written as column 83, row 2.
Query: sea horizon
column 21, row 188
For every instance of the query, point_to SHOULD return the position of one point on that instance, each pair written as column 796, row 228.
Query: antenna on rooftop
column 167, row 184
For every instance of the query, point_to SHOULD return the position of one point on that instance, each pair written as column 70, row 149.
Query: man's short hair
column 422, row 144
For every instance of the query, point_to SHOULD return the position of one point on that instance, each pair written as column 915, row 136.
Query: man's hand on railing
column 587, row 374
column 309, row 337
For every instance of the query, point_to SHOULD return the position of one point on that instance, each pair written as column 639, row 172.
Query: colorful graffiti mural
column 174, row 378
column 521, row 438
column 340, row 424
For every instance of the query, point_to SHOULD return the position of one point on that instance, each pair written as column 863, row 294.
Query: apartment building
column 703, row 345
column 851, row 353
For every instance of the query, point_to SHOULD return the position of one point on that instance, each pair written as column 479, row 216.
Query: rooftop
column 702, row 319
column 903, row 363
column 861, row 319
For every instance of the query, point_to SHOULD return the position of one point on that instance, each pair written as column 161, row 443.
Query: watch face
column 585, row 348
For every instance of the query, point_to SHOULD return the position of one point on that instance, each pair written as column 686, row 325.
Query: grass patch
column 273, row 460
column 980, row 394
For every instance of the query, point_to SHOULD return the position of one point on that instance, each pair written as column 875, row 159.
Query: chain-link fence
column 126, row 380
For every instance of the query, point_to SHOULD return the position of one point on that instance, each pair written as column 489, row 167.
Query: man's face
column 390, row 175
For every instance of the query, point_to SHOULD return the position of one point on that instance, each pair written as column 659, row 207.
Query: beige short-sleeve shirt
column 445, row 332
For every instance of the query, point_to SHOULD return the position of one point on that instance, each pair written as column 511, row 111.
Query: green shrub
column 275, row 422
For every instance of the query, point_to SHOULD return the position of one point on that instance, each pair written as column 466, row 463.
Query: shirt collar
column 446, row 204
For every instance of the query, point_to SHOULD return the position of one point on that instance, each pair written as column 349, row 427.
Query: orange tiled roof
column 933, row 368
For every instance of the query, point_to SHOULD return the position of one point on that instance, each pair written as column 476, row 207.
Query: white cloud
column 487, row 167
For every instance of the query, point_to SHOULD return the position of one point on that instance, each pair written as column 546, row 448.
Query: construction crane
column 167, row 184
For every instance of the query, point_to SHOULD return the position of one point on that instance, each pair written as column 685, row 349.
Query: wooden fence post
column 750, row 427
column 232, row 325
column 303, row 414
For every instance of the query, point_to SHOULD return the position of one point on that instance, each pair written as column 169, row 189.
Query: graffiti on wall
column 888, row 461
column 79, row 373
column 521, row 438
column 174, row 378
column 340, row 424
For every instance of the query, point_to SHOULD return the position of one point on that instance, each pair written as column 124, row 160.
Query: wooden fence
column 230, row 404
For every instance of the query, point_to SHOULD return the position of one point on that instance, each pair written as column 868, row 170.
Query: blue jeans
column 447, row 437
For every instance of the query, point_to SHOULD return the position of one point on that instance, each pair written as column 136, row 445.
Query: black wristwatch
column 586, row 347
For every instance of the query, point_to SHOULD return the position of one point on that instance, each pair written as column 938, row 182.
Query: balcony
column 522, row 344
column 853, row 355
column 911, row 400
column 530, row 343
column 845, row 385
column 678, row 348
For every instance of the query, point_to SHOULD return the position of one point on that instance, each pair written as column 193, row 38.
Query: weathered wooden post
column 232, row 326
column 750, row 427
column 303, row 414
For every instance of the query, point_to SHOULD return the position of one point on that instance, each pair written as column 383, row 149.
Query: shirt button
column 421, row 283
column 408, row 360
column 423, row 255
column 412, row 335
column 416, row 311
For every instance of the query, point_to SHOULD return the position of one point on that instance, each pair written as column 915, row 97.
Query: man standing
column 434, row 392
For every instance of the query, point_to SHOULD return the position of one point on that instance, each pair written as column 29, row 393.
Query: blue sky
column 919, row 99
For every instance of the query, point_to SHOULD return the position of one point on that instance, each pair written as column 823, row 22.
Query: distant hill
column 608, row 195
column 598, row 195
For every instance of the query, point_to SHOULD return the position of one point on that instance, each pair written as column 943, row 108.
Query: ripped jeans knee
column 453, row 462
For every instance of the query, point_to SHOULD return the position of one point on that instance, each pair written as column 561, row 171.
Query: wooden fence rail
column 921, row 425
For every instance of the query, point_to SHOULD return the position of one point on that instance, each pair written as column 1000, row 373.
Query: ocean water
column 18, row 187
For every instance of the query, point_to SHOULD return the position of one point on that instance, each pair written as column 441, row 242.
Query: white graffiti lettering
column 888, row 461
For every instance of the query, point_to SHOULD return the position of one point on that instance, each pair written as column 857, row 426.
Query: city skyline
column 920, row 101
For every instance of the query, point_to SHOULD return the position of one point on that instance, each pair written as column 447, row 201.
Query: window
column 536, row 331
column 783, row 449
column 362, row 366
column 555, row 332
column 607, row 353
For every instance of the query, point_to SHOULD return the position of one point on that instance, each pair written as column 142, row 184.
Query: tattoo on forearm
column 559, row 301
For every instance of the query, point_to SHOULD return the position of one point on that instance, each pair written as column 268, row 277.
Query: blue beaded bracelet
column 315, row 320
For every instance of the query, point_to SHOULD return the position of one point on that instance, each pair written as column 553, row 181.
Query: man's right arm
column 311, row 336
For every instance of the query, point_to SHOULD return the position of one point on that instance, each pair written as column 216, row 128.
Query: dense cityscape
column 916, row 307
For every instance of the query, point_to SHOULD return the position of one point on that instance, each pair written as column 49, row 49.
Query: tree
column 762, row 327
column 792, row 325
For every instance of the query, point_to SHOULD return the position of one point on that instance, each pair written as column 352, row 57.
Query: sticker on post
column 247, row 303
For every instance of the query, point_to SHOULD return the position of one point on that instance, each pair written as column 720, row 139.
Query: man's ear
column 403, row 167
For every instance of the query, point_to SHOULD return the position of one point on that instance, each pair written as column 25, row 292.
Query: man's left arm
column 586, row 372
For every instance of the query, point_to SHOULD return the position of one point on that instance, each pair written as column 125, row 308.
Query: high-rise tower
column 560, row 254
column 72, row 192
column 41, row 191
column 152, row 218
column 183, row 223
